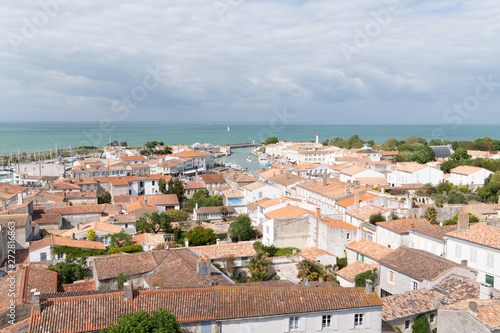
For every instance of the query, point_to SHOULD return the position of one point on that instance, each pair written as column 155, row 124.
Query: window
column 431, row 318
column 43, row 256
column 458, row 251
column 490, row 280
column 407, row 324
column 294, row 323
column 348, row 236
column 327, row 321
column 153, row 183
column 490, row 260
column 390, row 276
column 414, row 285
column 59, row 255
column 358, row 319
column 473, row 255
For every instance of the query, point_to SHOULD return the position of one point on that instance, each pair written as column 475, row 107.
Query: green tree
column 423, row 155
column 167, row 150
column 202, row 198
column 104, row 198
column 121, row 279
column 141, row 322
column 91, row 236
column 431, row 215
column 271, row 140
column 179, row 190
column 420, row 325
column 311, row 270
column 170, row 187
column 120, row 239
column 124, row 144
column 460, row 154
column 162, row 186
column 154, row 222
column 241, row 227
column 258, row 267
column 491, row 188
column 224, row 213
column 200, row 236
column 360, row 279
column 71, row 270
column 376, row 218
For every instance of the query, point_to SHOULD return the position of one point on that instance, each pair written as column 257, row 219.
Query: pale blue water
column 32, row 137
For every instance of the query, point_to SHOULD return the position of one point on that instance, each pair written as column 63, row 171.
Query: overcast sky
column 330, row 61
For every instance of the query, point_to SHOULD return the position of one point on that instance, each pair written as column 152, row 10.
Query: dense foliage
column 200, row 236
column 271, row 140
column 241, row 228
column 91, row 236
column 273, row 251
column 360, row 279
column 72, row 269
column 104, row 198
column 79, row 253
column 141, row 322
column 376, row 218
column 431, row 215
column 420, row 325
column 120, row 239
column 491, row 189
column 121, row 279
column 203, row 199
column 454, row 220
column 258, row 267
column 311, row 270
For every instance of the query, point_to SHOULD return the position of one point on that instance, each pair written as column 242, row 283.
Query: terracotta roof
column 65, row 241
column 254, row 186
column 237, row 250
column 466, row 170
column 433, row 231
column 390, row 153
column 306, row 166
column 410, row 303
column 417, row 264
column 194, row 186
column 288, row 211
column 88, row 209
column 66, row 314
column 132, row 158
column 140, row 204
column 363, row 197
column 66, row 186
column 334, row 188
column 479, row 233
column 403, row 225
column 104, row 227
column 213, row 209
column 148, row 239
column 287, row 179
column 364, row 213
column 457, row 288
column 370, row 249
column 266, row 202
column 338, row 224
column 488, row 312
column 410, row 167
column 126, row 198
column 18, row 219
column 376, row 181
column 352, row 270
column 311, row 253
column 238, row 177
column 254, row 205
column 109, row 267
column 353, row 170
column 158, row 199
column 213, row 179
column 232, row 193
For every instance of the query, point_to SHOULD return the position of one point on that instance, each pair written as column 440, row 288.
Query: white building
column 468, row 175
column 43, row 250
column 395, row 233
column 414, row 173
column 256, row 191
column 479, row 244
column 354, row 172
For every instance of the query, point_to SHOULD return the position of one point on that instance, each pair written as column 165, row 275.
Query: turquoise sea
column 31, row 137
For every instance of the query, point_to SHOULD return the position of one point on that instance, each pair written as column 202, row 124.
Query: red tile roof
column 479, row 233
column 338, row 224
column 403, row 225
column 95, row 312
column 370, row 249
column 237, row 250
column 65, row 241
column 312, row 253
column 352, row 270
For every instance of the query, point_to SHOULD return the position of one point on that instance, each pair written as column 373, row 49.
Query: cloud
column 238, row 60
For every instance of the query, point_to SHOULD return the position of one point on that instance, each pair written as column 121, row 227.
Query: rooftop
column 236, row 250
column 65, row 241
column 402, row 226
column 370, row 249
column 350, row 271
column 288, row 211
column 409, row 303
column 479, row 233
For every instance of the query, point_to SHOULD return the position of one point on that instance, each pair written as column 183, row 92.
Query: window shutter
column 319, row 324
column 286, row 325
column 335, row 322
column 351, row 321
column 303, row 323
column 368, row 320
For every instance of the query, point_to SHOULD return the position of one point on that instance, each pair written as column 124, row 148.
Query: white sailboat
column 249, row 159
column 228, row 129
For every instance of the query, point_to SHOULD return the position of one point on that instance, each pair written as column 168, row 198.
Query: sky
column 326, row 61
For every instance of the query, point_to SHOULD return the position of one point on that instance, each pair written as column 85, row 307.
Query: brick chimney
column 356, row 200
column 128, row 291
column 369, row 287
column 463, row 263
column 473, row 308
column 203, row 266
column 6, row 190
column 325, row 182
column 35, row 302
column 463, row 221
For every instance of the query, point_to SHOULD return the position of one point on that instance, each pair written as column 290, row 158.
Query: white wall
column 476, row 178
column 390, row 238
column 431, row 245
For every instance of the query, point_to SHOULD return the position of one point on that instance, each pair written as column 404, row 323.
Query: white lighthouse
column 317, row 138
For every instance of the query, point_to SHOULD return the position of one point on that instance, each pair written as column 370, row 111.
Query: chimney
column 4, row 205
column 463, row 221
column 218, row 241
column 369, row 287
column 79, row 225
column 203, row 266
column 48, row 207
column 325, row 181
column 73, row 236
column 473, row 308
column 128, row 291
column 306, row 282
column 485, row 292
column 186, row 242
column 463, row 263
column 51, row 184
column 412, row 225
column 6, row 190
column 347, row 192
column 356, row 200
column 321, row 279
column 35, row 302
column 20, row 198
column 318, row 218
